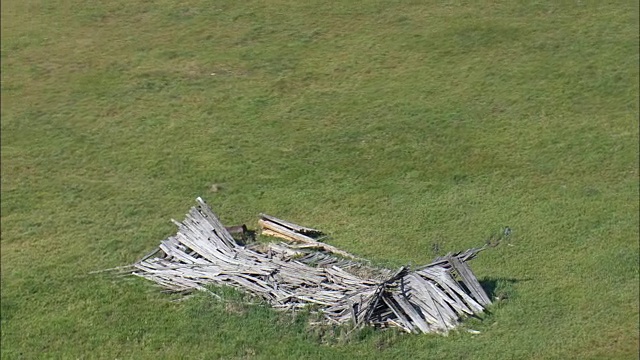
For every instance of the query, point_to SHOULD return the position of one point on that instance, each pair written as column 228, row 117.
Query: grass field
column 395, row 126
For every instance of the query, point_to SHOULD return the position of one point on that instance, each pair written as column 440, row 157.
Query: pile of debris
column 304, row 271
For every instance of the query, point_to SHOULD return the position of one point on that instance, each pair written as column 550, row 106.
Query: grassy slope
column 393, row 125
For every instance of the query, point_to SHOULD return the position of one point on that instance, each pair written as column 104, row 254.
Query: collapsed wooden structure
column 304, row 271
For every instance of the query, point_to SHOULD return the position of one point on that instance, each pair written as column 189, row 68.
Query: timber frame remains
column 303, row 270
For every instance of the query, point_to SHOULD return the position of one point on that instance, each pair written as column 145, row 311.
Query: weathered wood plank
column 411, row 313
column 470, row 281
column 401, row 318
column 295, row 227
column 445, row 281
column 302, row 238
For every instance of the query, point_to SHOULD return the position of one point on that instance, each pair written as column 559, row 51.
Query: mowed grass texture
column 402, row 128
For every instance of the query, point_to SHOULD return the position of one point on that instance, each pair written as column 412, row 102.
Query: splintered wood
column 427, row 299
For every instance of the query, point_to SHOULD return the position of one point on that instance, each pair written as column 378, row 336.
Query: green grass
column 392, row 125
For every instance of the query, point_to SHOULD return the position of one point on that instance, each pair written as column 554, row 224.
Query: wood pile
column 304, row 271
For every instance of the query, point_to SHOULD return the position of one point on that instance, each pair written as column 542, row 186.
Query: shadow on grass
column 500, row 288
